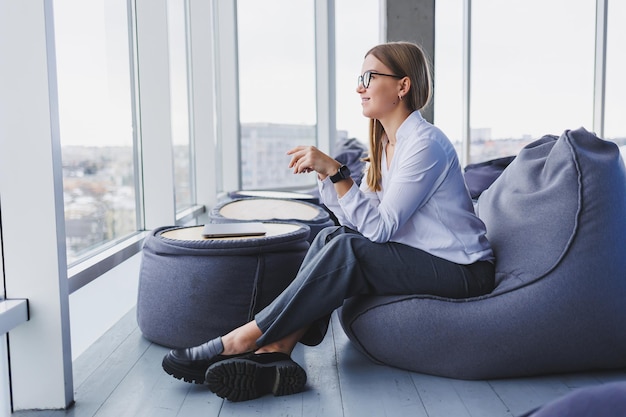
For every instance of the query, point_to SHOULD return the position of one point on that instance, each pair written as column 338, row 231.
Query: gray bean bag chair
column 556, row 218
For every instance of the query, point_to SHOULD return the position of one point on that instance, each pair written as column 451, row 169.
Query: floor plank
column 524, row 394
column 198, row 402
column 146, row 390
column 320, row 398
column 104, row 347
column 121, row 375
column 479, row 399
column 368, row 389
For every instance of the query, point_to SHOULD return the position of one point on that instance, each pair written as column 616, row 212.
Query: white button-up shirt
column 423, row 203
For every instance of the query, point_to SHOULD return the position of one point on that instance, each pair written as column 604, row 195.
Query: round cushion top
column 179, row 240
column 266, row 209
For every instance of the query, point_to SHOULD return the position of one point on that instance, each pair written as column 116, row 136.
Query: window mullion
column 154, row 113
column 600, row 67
column 227, row 93
column 202, row 100
column 325, row 74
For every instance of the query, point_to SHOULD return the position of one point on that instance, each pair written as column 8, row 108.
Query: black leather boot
column 191, row 364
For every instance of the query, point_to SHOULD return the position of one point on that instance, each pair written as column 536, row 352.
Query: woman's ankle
column 241, row 340
column 274, row 349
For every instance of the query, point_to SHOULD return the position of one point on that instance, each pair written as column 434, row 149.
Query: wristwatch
column 342, row 173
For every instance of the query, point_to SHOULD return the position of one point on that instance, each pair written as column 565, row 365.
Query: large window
column 96, row 122
column 448, row 70
column 277, row 103
column 532, row 72
column 179, row 99
column 357, row 24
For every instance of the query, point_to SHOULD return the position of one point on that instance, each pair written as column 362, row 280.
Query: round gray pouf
column 193, row 289
column 272, row 209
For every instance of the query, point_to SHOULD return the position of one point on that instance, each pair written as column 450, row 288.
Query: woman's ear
column 405, row 86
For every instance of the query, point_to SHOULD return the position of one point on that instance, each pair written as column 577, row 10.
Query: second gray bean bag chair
column 556, row 218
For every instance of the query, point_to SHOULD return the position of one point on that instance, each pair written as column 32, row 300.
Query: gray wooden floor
column 121, row 375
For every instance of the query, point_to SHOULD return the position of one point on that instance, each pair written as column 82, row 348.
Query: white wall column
column 413, row 21
column 32, row 207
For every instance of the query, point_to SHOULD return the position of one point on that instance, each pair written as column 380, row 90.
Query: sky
column 532, row 66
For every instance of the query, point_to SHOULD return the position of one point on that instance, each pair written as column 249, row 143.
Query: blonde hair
column 404, row 59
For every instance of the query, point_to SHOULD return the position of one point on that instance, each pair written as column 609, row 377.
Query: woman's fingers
column 307, row 159
column 302, row 158
column 297, row 154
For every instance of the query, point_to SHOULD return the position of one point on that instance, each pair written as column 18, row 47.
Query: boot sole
column 243, row 380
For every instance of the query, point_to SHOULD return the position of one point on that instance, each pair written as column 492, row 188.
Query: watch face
column 342, row 174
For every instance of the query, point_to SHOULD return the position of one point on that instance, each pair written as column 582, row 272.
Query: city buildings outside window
column 277, row 82
column 277, row 86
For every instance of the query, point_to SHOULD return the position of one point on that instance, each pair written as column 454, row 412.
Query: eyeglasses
column 367, row 77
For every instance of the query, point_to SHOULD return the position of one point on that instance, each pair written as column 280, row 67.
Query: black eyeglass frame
column 367, row 75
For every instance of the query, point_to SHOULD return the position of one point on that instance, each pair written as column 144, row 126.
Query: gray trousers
column 342, row 263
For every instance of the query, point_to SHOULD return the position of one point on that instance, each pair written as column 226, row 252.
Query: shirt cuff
column 351, row 192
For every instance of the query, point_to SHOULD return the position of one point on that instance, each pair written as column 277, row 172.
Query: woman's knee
column 340, row 231
column 349, row 242
column 322, row 235
column 340, row 239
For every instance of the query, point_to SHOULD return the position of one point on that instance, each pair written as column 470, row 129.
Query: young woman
column 409, row 229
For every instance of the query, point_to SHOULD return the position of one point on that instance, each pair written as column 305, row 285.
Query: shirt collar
column 409, row 125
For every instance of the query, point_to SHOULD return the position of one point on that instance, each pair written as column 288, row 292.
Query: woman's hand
column 309, row 158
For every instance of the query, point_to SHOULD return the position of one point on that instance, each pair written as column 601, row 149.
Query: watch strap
column 342, row 173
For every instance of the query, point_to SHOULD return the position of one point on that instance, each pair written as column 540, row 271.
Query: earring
column 400, row 97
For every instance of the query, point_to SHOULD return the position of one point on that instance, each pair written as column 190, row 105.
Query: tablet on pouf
column 233, row 229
